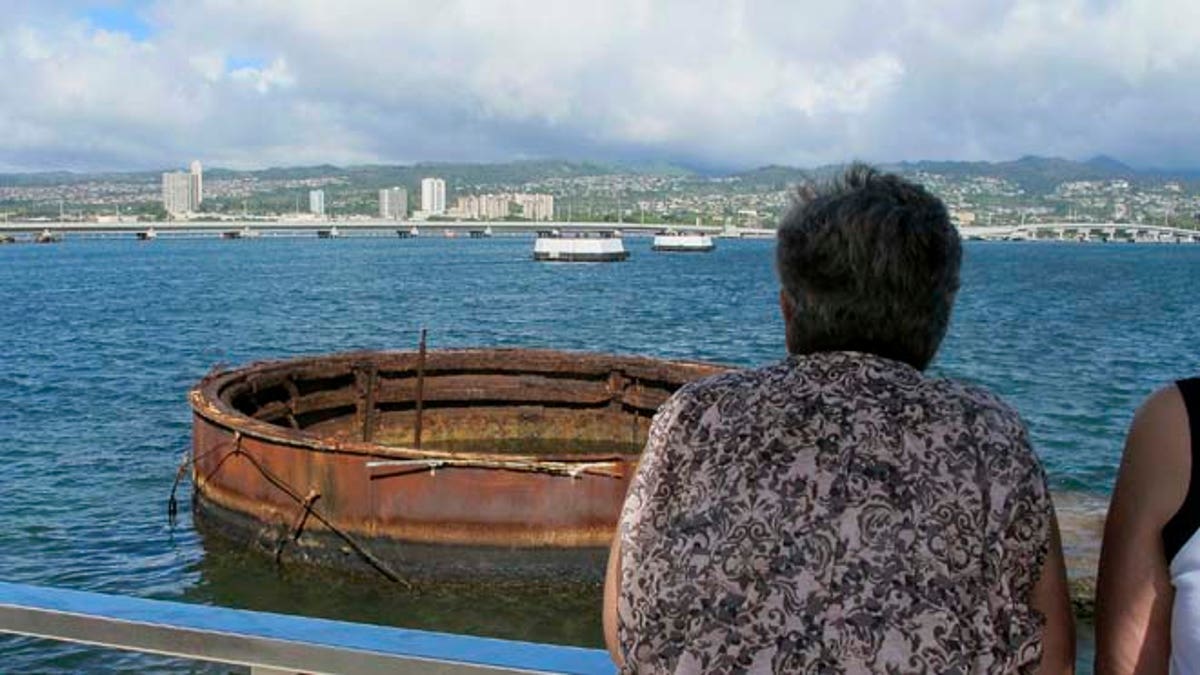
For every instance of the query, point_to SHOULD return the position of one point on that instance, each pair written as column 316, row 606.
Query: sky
column 710, row 85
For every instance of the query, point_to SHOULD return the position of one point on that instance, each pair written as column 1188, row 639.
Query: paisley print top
column 836, row 512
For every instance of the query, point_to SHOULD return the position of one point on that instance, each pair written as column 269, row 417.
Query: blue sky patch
column 122, row 18
column 233, row 63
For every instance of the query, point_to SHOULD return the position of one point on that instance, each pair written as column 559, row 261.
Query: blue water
column 102, row 339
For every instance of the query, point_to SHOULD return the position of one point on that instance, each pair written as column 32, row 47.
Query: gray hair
column 869, row 262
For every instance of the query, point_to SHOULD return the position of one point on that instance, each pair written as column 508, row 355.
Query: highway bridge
column 1070, row 231
column 346, row 227
column 1047, row 231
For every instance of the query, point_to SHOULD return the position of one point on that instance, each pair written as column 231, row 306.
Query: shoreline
column 1081, row 524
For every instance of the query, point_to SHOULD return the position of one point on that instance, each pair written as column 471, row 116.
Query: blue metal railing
column 272, row 641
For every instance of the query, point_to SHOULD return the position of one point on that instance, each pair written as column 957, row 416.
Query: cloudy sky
column 720, row 85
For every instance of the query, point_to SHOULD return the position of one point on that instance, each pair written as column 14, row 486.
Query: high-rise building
column 177, row 192
column 433, row 196
column 196, row 185
column 393, row 203
column 182, row 191
column 316, row 202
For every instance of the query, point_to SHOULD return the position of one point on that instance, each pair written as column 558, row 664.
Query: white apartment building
column 182, row 191
column 177, row 193
column 433, row 196
column 535, row 206
column 196, row 185
column 482, row 207
column 500, row 206
column 316, row 202
column 393, row 203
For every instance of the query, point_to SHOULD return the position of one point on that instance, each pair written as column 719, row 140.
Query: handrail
column 273, row 641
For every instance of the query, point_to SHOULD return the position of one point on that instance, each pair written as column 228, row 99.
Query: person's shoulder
column 1160, row 425
column 1168, row 401
column 977, row 401
column 729, row 382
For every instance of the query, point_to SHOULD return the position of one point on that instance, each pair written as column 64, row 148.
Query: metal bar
column 420, row 398
column 368, row 429
column 360, row 396
column 275, row 641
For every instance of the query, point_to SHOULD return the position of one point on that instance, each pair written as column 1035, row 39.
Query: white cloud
column 274, row 76
column 707, row 82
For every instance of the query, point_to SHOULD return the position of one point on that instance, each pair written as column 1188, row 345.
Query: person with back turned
column 840, row 511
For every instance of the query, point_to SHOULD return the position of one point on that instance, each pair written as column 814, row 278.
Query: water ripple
column 102, row 340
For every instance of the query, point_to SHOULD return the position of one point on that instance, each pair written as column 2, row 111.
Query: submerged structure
column 446, row 464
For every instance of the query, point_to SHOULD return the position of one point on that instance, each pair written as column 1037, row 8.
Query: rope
column 306, row 504
column 172, row 502
column 573, row 470
column 282, row 485
column 298, row 527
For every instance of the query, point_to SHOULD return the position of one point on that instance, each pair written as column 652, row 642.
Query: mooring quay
column 272, row 644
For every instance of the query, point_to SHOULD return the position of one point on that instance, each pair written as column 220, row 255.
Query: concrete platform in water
column 503, row 463
column 670, row 241
column 604, row 246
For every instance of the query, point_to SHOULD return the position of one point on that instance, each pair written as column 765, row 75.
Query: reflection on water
column 539, row 612
column 93, row 417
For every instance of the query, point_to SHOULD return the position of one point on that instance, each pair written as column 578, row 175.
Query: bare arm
column 612, row 589
column 1134, row 593
column 1051, row 599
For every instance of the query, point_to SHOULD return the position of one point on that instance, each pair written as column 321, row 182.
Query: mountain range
column 1036, row 175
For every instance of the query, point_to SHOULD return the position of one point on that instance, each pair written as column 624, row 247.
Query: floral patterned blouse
column 836, row 512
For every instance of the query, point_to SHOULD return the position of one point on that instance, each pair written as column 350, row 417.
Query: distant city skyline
column 720, row 86
column 1029, row 190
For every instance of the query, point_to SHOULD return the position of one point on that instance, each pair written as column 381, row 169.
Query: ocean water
column 101, row 340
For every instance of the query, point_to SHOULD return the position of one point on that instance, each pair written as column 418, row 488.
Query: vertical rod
column 368, row 428
column 420, row 391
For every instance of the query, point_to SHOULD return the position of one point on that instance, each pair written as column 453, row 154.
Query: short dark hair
column 870, row 263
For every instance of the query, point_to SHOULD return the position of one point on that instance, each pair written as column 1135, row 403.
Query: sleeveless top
column 1182, row 548
column 834, row 512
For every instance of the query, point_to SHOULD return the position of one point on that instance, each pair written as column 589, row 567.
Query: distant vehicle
column 47, row 237
column 244, row 233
